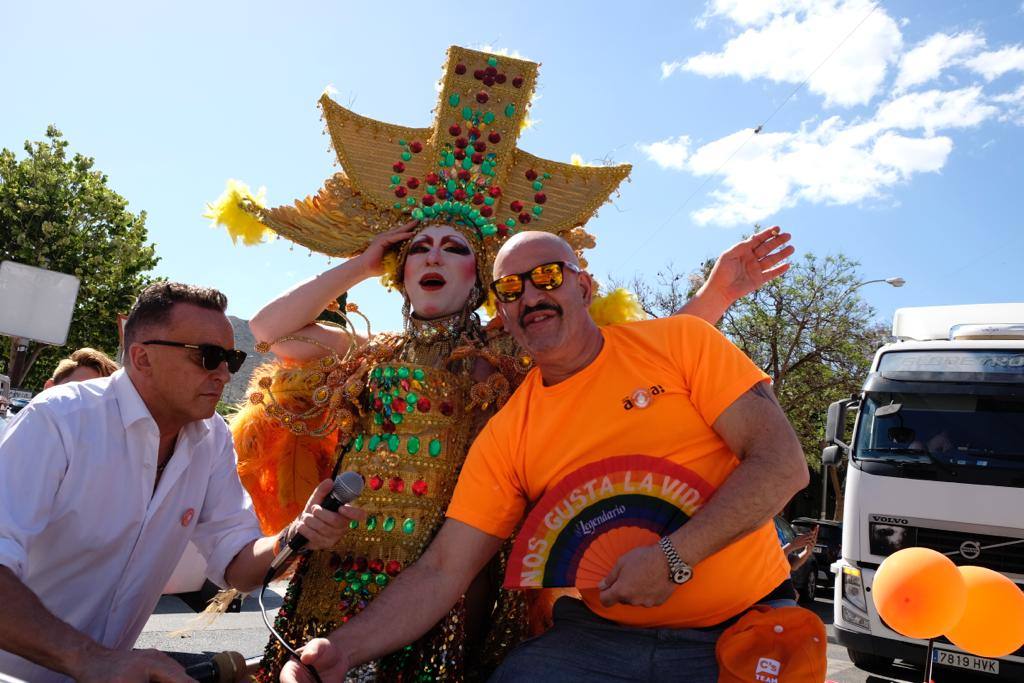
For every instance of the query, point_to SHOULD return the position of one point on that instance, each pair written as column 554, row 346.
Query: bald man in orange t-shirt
column 660, row 609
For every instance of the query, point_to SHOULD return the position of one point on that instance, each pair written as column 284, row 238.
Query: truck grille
column 1008, row 559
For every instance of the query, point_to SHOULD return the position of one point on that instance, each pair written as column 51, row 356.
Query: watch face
column 682, row 575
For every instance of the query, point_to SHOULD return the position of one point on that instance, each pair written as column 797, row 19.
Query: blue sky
column 903, row 150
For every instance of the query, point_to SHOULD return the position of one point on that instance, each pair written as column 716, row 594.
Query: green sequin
column 489, row 201
column 409, row 525
column 410, row 201
column 435, row 448
column 377, row 372
column 409, row 408
column 451, row 187
column 413, row 445
column 374, row 442
column 358, row 443
column 371, row 522
column 381, row 580
column 492, row 61
column 467, row 113
column 489, row 118
column 418, row 374
column 396, row 205
column 403, row 373
column 453, row 99
column 393, row 443
column 397, row 418
column 354, row 524
column 510, row 110
column 538, row 185
column 387, row 399
column 538, row 210
column 389, row 372
column 364, row 578
column 488, row 230
column 396, row 179
column 411, row 398
column 510, row 222
column 417, row 214
column 378, row 419
column 467, row 164
column 389, row 524
column 356, row 586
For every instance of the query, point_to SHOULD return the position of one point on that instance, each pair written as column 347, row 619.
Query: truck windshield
column 944, row 435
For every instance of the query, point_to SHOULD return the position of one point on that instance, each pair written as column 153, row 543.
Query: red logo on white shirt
column 187, row 517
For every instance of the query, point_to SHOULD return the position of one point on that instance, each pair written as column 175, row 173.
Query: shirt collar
column 133, row 408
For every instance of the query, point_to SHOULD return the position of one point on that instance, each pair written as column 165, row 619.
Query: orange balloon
column 993, row 622
column 919, row 593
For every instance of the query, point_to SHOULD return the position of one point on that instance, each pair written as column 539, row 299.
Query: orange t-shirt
column 690, row 374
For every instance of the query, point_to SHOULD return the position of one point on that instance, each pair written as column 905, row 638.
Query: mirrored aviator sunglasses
column 546, row 277
column 211, row 354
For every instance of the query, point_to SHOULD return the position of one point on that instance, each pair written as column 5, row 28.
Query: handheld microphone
column 225, row 667
column 347, row 487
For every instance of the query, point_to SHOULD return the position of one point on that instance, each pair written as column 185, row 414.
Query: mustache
column 543, row 306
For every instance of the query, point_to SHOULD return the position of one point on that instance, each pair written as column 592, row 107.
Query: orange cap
column 780, row 645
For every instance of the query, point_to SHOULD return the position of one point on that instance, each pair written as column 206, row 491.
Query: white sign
column 36, row 303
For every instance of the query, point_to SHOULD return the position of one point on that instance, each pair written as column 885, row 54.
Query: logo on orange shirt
column 641, row 398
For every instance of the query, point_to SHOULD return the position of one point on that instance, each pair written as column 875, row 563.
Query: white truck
column 936, row 459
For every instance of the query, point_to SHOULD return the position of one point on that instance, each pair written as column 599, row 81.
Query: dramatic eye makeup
column 449, row 243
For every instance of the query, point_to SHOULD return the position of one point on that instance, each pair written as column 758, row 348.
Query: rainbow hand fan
column 584, row 524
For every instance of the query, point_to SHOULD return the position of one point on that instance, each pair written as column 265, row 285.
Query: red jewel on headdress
column 400, row 191
column 413, row 183
column 460, row 69
column 478, row 74
column 461, row 143
column 478, row 198
column 398, row 405
column 349, row 560
column 459, row 154
column 459, row 195
column 378, row 405
column 516, row 205
column 416, row 146
column 398, row 167
column 491, row 71
column 431, row 178
column 474, row 132
column 488, row 80
column 480, row 145
column 486, row 211
column 524, row 217
column 360, row 564
column 454, row 130
column 376, row 566
column 396, row 484
column 540, row 197
column 494, row 191
column 375, row 482
column 482, row 97
column 419, row 487
column 494, row 137
column 531, row 174
column 441, row 193
column 428, row 200
column 393, row 567
column 517, row 81
column 477, row 158
column 464, row 174
column 502, row 230
column 423, row 405
column 389, row 427
column 500, row 78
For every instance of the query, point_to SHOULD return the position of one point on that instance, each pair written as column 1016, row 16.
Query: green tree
column 57, row 212
column 809, row 330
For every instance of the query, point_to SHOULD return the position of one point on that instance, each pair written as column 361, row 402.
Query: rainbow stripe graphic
column 582, row 525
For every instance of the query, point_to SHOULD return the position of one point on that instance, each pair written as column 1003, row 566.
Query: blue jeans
column 582, row 646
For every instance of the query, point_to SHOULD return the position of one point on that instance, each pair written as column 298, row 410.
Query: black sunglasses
column 212, row 355
column 546, row 276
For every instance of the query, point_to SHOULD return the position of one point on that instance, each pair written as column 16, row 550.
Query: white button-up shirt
column 80, row 523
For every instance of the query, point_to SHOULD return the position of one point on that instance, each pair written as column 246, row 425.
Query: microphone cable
column 288, row 648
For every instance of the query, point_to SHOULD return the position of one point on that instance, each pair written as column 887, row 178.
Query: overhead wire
column 755, row 131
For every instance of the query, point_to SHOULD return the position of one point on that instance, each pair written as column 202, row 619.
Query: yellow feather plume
column 617, row 306
column 228, row 210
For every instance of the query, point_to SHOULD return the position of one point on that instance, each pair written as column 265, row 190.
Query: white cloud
column 928, row 58
column 670, row 153
column 831, row 162
column 1013, row 103
column 785, row 40
column 994, row 64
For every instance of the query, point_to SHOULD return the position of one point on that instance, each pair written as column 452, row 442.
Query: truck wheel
column 868, row 661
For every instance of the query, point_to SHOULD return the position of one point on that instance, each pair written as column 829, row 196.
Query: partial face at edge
column 440, row 271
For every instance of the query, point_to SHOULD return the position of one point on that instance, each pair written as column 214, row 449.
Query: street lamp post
column 894, row 282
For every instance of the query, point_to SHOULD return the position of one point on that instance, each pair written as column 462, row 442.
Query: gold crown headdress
column 466, row 171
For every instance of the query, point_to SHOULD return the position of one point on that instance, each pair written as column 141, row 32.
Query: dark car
column 805, row 577
column 828, row 548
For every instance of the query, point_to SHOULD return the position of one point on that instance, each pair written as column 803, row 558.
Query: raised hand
column 322, row 527
column 746, row 266
column 372, row 259
column 330, row 663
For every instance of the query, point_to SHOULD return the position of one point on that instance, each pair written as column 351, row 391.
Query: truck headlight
column 853, row 588
column 852, row 617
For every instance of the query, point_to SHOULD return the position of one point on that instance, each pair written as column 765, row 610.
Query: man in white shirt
column 104, row 482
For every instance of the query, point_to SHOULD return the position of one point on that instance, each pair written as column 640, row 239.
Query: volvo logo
column 970, row 550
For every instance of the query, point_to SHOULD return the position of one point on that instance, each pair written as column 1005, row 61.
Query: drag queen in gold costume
column 402, row 409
